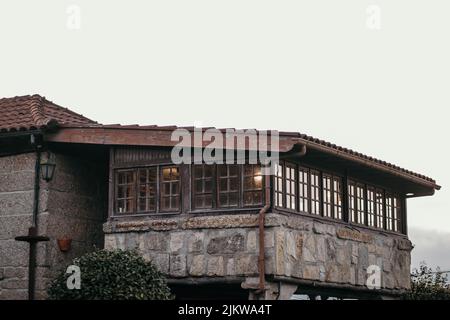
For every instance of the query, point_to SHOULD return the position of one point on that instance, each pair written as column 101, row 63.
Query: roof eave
column 354, row 158
column 109, row 135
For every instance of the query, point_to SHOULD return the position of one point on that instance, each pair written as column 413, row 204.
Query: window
column 226, row 186
column 393, row 212
column 253, row 185
column 278, row 181
column 303, row 187
column 337, row 197
column 396, row 214
column 291, row 183
column 370, row 206
column 351, row 201
column 389, row 203
column 332, row 196
column 228, row 181
column 327, row 201
column 380, row 208
column 147, row 189
column 203, row 186
column 308, row 190
column 360, row 198
column 315, row 192
column 170, row 188
column 125, row 191
column 321, row 193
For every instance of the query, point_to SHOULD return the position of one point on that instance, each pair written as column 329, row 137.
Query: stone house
column 328, row 222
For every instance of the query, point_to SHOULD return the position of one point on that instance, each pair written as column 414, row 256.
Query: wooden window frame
column 215, row 196
column 379, row 216
column 358, row 208
column 316, row 203
column 384, row 220
column 170, row 182
column 360, row 204
column 279, row 194
column 292, row 181
column 327, row 195
column 396, row 213
column 371, row 206
column 305, row 186
column 136, row 183
column 213, row 187
column 351, row 186
column 116, row 192
column 252, row 190
column 310, row 181
column 337, row 207
column 389, row 211
column 238, row 176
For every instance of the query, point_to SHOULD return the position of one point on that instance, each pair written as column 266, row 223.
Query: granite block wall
column 72, row 205
column 296, row 247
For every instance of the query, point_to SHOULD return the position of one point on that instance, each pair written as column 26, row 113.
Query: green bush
column 112, row 275
column 427, row 284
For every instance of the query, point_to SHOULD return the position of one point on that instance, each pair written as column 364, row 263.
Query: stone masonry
column 72, row 205
column 296, row 247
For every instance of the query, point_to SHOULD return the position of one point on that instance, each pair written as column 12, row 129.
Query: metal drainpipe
column 37, row 188
column 32, row 238
column 261, row 223
column 32, row 256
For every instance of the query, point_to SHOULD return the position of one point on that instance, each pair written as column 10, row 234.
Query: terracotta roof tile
column 300, row 136
column 35, row 112
column 25, row 113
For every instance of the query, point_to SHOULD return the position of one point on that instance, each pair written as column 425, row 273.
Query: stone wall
column 334, row 253
column 77, row 206
column 16, row 207
column 73, row 205
column 296, row 248
column 194, row 247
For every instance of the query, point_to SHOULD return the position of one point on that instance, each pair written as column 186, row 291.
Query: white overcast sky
column 312, row 66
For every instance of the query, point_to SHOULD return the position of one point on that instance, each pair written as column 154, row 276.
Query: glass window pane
column 253, row 186
column 203, row 186
column 151, row 204
column 233, row 199
column 208, row 201
column 223, row 184
column 125, row 192
column 170, row 189
column 248, row 183
column 228, row 185
column 234, row 184
column 208, row 186
column 147, row 188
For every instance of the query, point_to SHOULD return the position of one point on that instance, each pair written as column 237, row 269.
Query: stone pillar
column 286, row 291
column 273, row 290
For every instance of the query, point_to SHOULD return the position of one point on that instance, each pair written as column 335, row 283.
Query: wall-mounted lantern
column 48, row 168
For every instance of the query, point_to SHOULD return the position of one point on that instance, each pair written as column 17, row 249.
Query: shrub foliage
column 112, row 275
column 427, row 284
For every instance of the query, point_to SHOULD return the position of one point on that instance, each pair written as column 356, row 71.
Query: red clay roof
column 295, row 136
column 35, row 112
